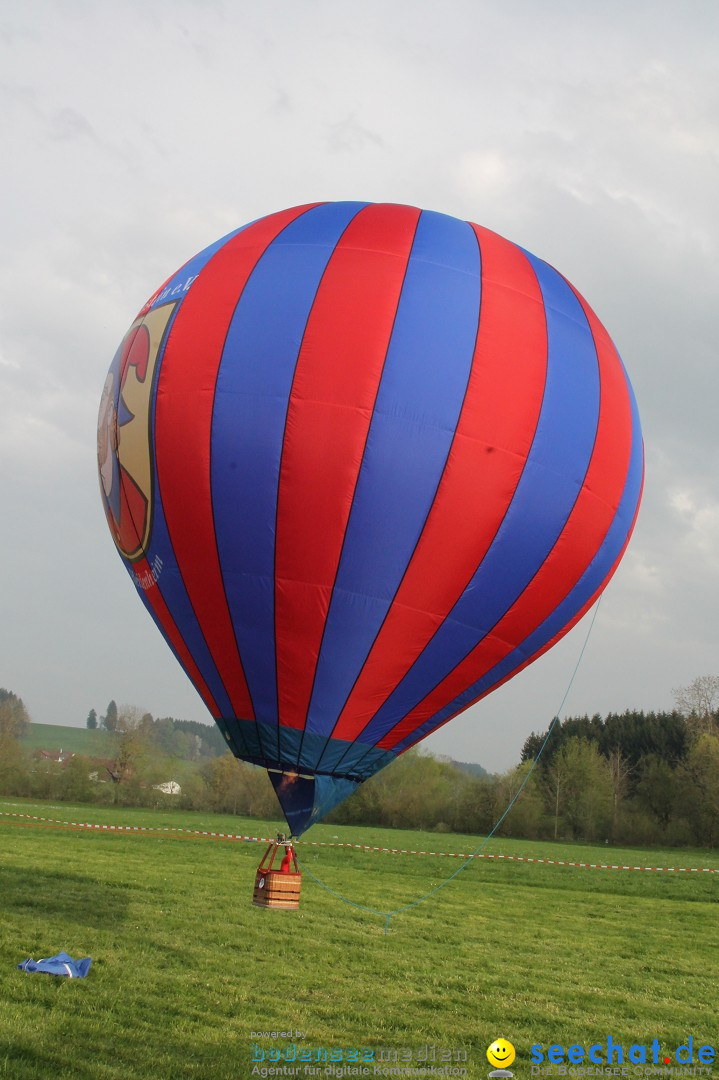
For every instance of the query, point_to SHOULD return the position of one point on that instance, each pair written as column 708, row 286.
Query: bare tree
column 699, row 704
column 620, row 771
column 130, row 744
column 556, row 780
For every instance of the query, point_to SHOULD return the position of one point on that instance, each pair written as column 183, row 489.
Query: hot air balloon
column 364, row 463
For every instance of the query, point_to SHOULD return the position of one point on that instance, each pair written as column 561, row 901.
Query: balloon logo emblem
column 124, row 448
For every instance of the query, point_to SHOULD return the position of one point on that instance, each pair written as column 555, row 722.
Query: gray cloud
column 140, row 133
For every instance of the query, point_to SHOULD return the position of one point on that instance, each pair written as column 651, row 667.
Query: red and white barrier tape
column 358, row 847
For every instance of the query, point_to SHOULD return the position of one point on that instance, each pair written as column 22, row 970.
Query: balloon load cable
column 387, row 915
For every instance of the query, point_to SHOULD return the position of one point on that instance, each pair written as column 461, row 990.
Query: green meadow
column 185, row 969
column 73, row 740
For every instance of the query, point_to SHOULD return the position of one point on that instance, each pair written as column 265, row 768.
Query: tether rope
column 387, row 915
column 213, row 834
column 178, row 833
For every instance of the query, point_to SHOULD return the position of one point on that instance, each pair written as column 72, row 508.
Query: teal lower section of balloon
column 307, row 799
column 287, row 749
column 311, row 774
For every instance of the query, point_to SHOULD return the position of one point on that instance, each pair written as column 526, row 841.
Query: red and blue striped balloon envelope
column 364, row 463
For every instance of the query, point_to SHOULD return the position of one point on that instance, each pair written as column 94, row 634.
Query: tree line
column 14, row 717
column 175, row 738
column 630, row 778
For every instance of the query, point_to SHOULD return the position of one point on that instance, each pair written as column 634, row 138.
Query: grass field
column 75, row 740
column 185, row 968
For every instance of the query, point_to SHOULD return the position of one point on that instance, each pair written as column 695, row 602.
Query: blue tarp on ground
column 62, row 964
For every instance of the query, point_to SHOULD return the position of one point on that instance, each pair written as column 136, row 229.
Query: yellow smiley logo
column 500, row 1054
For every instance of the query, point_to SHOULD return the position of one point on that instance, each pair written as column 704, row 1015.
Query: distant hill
column 470, row 767
column 205, row 738
column 76, row 740
column 98, row 743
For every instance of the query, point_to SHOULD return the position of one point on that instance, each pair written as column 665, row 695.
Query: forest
column 635, row 777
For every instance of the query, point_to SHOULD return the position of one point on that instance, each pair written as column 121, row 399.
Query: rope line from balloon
column 176, row 833
column 179, row 833
column 387, row 915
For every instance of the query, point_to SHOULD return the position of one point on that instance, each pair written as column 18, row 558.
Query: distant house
column 102, row 770
column 105, row 769
column 170, row 787
column 58, row 756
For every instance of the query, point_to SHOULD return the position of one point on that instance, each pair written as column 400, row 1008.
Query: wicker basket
column 275, row 888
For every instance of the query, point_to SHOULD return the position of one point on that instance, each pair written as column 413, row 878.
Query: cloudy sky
column 136, row 133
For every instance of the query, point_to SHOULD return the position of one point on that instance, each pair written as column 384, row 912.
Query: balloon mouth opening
column 309, row 773
column 305, row 798
column 288, row 777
